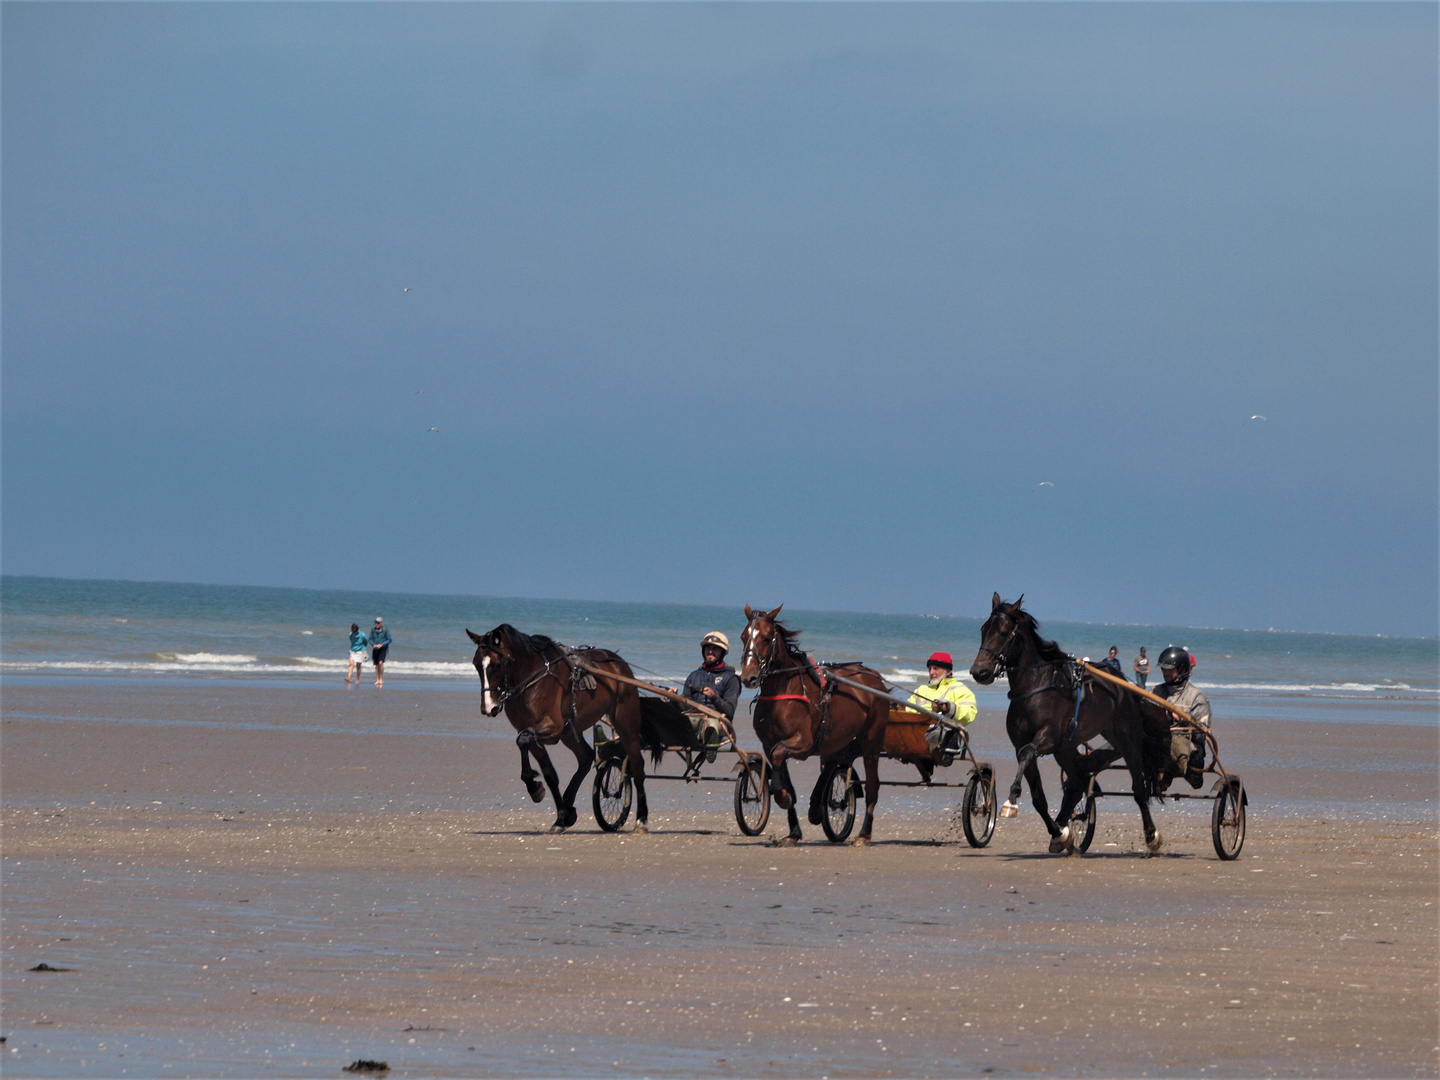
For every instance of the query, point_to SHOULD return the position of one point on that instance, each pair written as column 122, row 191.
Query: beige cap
column 715, row 637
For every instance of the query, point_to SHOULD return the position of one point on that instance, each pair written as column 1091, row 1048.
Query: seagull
column 407, row 288
column 1257, row 416
column 1045, row 483
column 419, row 391
column 436, row 430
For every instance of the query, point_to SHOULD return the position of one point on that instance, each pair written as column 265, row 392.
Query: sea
column 124, row 631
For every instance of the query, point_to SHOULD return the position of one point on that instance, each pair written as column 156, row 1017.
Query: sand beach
column 237, row 880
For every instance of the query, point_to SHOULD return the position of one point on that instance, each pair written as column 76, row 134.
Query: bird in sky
column 407, row 288
column 419, row 391
column 1046, row 483
column 1257, row 416
column 435, row 430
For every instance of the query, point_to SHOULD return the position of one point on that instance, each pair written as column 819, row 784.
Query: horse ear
column 1020, row 600
column 748, row 613
column 771, row 615
column 473, row 636
column 995, row 602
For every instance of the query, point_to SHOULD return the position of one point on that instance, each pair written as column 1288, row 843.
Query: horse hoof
column 571, row 816
column 787, row 841
column 816, row 815
column 641, row 827
column 1061, row 841
column 1155, row 842
column 537, row 792
column 557, row 828
column 1009, row 809
column 783, row 800
column 862, row 841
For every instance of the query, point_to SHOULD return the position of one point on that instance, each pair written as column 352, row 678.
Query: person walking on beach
column 949, row 697
column 380, row 645
column 1187, row 750
column 716, row 684
column 1142, row 668
column 1111, row 663
column 358, row 642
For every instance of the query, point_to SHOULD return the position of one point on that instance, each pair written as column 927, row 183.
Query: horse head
column 493, row 655
column 997, row 640
column 763, row 643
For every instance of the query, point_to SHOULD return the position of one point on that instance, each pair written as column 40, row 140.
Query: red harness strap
column 784, row 697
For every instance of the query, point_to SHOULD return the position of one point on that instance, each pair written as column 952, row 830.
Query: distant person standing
column 1111, row 663
column 358, row 641
column 379, row 645
column 1142, row 668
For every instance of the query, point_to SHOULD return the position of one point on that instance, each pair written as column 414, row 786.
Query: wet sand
column 279, row 881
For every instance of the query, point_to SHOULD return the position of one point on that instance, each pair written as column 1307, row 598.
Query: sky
column 1131, row 308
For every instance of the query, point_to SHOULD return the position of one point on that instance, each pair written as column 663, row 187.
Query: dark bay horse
column 1054, row 708
column 549, row 700
column 800, row 713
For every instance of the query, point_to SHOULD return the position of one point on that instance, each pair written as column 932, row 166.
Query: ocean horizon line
column 678, row 604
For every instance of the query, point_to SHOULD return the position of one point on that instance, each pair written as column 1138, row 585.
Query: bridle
column 767, row 665
column 502, row 696
column 1001, row 655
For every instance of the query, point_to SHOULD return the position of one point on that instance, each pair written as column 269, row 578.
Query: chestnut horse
column 549, row 700
column 1055, row 708
column 800, row 712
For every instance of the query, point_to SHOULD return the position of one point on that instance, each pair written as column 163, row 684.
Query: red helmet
column 941, row 658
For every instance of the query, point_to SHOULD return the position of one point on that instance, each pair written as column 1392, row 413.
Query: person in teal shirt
column 380, row 646
column 358, row 641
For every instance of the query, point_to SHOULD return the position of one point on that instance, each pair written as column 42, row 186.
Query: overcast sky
column 875, row 307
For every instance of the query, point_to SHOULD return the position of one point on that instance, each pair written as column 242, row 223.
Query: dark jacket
column 723, row 680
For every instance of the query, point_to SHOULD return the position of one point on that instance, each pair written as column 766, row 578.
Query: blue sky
column 877, row 307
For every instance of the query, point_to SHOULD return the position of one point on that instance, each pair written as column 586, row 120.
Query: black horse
column 1055, row 708
column 547, row 699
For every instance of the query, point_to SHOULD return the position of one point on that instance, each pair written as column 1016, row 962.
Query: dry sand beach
column 268, row 880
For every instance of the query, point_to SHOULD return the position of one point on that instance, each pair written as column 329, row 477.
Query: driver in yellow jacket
column 949, row 697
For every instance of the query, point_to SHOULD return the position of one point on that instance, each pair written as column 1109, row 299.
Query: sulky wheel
column 613, row 791
column 752, row 798
column 839, row 794
column 980, row 809
column 1227, row 820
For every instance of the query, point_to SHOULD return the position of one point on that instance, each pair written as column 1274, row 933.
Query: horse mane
column 1049, row 651
column 536, row 646
column 790, row 638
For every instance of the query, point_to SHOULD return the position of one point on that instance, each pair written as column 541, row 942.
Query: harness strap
column 785, row 697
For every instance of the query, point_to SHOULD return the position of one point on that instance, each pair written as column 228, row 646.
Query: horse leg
column 872, row 793
column 528, row 776
column 1037, row 796
column 817, row 796
column 1140, row 785
column 584, row 758
column 785, row 797
column 781, row 790
column 1028, row 770
column 1076, row 779
column 552, row 780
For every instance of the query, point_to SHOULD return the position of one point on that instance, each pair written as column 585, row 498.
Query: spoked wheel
column 1227, row 820
column 981, row 809
column 752, row 798
column 613, row 791
column 1082, row 822
column 839, row 795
